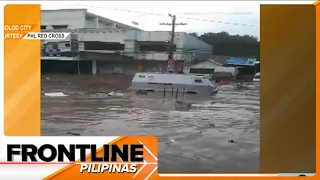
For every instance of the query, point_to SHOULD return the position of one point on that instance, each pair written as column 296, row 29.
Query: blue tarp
column 240, row 61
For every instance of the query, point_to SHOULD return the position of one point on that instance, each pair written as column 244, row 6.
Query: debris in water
column 114, row 94
column 213, row 102
column 212, row 125
column 47, row 78
column 55, row 94
column 108, row 94
column 72, row 134
column 170, row 141
column 141, row 92
column 231, row 141
column 111, row 93
column 182, row 106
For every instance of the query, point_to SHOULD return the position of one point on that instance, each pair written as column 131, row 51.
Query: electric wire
column 181, row 17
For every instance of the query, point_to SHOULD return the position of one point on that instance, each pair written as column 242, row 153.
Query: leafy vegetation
column 232, row 45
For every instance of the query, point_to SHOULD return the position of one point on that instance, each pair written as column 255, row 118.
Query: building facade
column 109, row 43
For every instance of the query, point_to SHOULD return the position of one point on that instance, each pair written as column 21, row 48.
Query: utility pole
column 173, row 25
column 74, row 47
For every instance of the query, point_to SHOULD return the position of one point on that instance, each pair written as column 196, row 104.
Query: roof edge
column 81, row 9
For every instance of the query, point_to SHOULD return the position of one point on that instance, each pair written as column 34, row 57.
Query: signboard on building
column 74, row 43
column 170, row 67
column 241, row 61
column 50, row 49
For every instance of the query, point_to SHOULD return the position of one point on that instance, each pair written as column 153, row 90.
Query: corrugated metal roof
column 210, row 64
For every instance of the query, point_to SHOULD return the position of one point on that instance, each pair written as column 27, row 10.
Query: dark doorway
column 65, row 67
column 85, row 67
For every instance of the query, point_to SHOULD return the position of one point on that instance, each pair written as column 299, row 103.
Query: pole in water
column 78, row 66
column 172, row 91
column 177, row 93
column 183, row 92
column 164, row 93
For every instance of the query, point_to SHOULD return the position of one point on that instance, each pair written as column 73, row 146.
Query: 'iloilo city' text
column 16, row 31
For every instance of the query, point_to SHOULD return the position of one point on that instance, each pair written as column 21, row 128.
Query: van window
column 257, row 77
column 142, row 76
column 198, row 81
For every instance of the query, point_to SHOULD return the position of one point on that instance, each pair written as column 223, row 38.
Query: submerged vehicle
column 256, row 77
column 195, row 84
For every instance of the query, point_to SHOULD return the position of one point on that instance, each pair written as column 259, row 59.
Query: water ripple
column 189, row 141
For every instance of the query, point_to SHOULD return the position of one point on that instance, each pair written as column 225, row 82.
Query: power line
column 123, row 10
column 187, row 18
column 220, row 22
column 220, row 13
column 157, row 14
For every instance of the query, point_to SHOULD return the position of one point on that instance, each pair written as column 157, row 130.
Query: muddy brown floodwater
column 219, row 134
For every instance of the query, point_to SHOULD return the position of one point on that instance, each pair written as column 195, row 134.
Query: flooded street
column 219, row 133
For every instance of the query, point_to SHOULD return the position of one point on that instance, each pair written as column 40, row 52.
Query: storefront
column 247, row 67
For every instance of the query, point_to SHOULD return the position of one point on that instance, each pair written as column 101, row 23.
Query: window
column 201, row 71
column 198, row 81
column 55, row 46
column 156, row 47
column 96, row 45
column 67, row 44
column 60, row 26
column 141, row 76
column 43, row 27
column 257, row 77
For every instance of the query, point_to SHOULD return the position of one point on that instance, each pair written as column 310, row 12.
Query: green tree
column 231, row 45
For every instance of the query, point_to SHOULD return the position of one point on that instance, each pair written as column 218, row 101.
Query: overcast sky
column 245, row 15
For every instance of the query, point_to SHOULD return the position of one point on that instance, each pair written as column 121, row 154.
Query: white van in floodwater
column 256, row 77
column 196, row 84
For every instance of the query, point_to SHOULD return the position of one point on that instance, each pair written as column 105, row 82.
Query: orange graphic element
column 22, row 72
column 18, row 31
column 317, row 82
column 146, row 170
column 14, row 35
column 20, row 27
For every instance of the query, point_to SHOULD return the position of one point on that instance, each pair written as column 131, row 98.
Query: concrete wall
column 103, row 25
column 160, row 36
column 192, row 43
column 198, row 50
column 62, row 45
column 91, row 23
column 103, row 35
column 74, row 18
column 189, row 48
column 130, row 68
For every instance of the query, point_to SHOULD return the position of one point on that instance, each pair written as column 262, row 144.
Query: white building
column 76, row 19
column 98, row 34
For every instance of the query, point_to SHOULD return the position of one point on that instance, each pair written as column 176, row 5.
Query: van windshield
column 257, row 77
